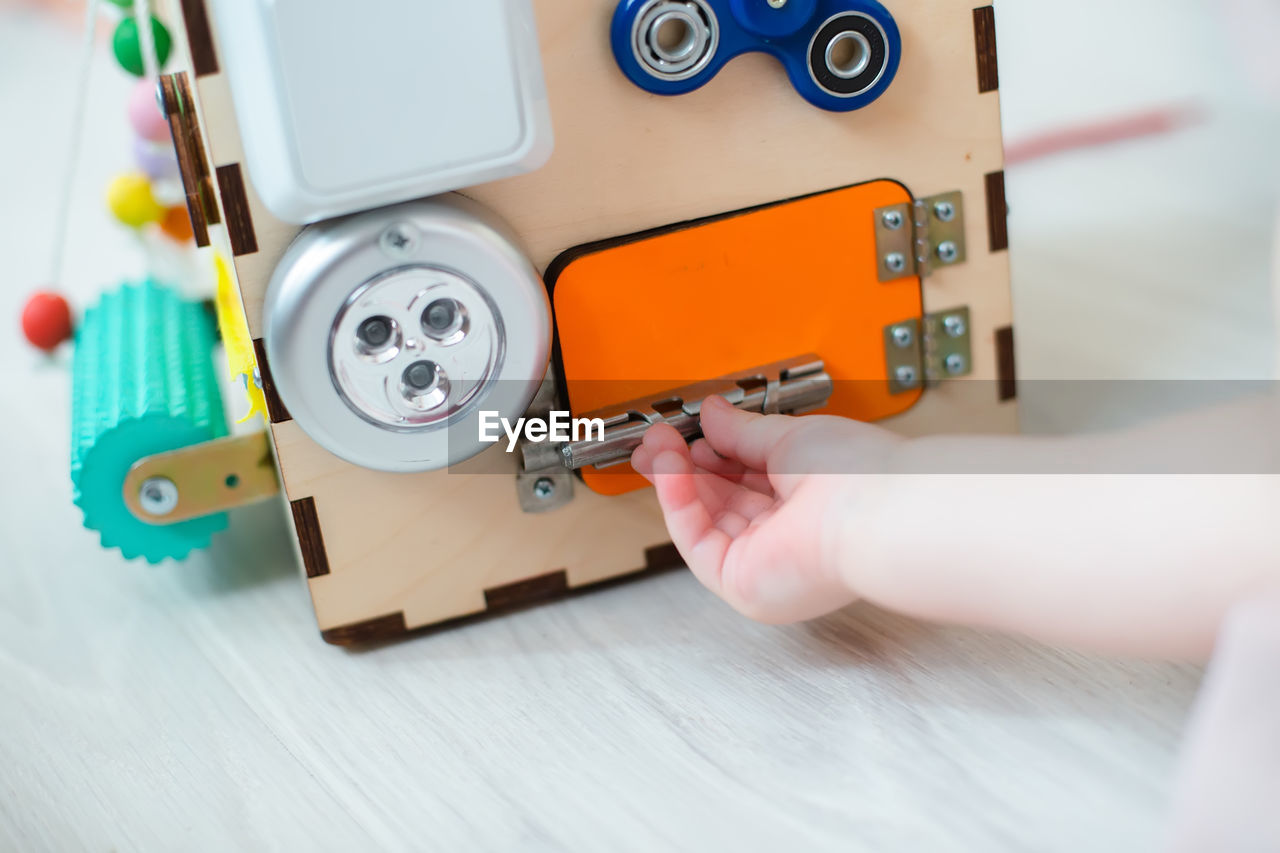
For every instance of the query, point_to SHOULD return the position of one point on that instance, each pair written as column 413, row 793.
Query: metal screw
column 158, row 496
column 954, row 324
column 902, row 336
column 948, row 252
column 544, row 488
column 906, row 375
column 892, row 219
column 955, row 363
column 895, row 262
column 945, row 211
column 399, row 240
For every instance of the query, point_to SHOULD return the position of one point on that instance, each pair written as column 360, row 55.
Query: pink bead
column 144, row 113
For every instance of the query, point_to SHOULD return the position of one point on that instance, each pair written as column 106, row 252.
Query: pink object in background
column 1105, row 132
column 144, row 113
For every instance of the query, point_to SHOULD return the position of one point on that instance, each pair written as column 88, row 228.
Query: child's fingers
column 705, row 457
column 747, row 437
column 689, row 521
column 658, row 439
column 720, row 495
column 743, row 436
column 642, row 462
column 663, row 437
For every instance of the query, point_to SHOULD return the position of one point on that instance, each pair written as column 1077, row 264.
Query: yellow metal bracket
column 202, row 479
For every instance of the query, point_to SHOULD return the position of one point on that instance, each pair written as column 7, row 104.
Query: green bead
column 127, row 46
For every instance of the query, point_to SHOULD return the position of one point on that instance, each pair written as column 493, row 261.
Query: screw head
column 945, row 211
column 955, row 363
column 544, row 488
column 777, row 4
column 892, row 219
column 895, row 262
column 399, row 240
column 948, row 252
column 158, row 496
column 902, row 336
column 906, row 375
column 954, row 325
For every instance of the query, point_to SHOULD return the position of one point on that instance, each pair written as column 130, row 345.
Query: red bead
column 46, row 320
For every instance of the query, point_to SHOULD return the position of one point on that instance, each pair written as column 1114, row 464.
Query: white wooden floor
column 193, row 706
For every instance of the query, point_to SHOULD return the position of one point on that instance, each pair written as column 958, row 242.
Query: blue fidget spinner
column 840, row 54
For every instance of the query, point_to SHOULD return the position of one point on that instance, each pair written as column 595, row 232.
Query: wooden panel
column 424, row 548
column 193, row 166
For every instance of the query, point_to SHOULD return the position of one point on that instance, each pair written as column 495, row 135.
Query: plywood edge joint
column 235, row 206
column 379, row 629
column 1006, row 366
column 276, row 412
column 306, row 522
column 204, row 59
column 984, row 37
column 997, row 212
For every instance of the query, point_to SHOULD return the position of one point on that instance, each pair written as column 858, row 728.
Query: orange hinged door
column 648, row 313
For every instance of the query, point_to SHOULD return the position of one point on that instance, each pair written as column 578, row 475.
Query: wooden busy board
column 386, row 554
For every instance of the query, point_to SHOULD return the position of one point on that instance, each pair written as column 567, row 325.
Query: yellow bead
column 130, row 199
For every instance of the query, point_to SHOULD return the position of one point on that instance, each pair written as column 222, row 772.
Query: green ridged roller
column 143, row 383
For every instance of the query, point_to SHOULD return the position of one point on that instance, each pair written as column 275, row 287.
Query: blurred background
column 1147, row 255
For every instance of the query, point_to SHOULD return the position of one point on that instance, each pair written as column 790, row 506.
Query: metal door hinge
column 202, row 479
column 917, row 238
column 927, row 352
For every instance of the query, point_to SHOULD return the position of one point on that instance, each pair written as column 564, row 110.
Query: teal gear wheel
column 143, row 382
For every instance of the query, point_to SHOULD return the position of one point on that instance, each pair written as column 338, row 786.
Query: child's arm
column 1137, row 564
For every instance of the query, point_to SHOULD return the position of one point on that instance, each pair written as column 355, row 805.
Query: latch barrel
column 787, row 387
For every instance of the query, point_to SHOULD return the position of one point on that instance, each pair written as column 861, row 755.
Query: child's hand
column 752, row 511
column 774, row 514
